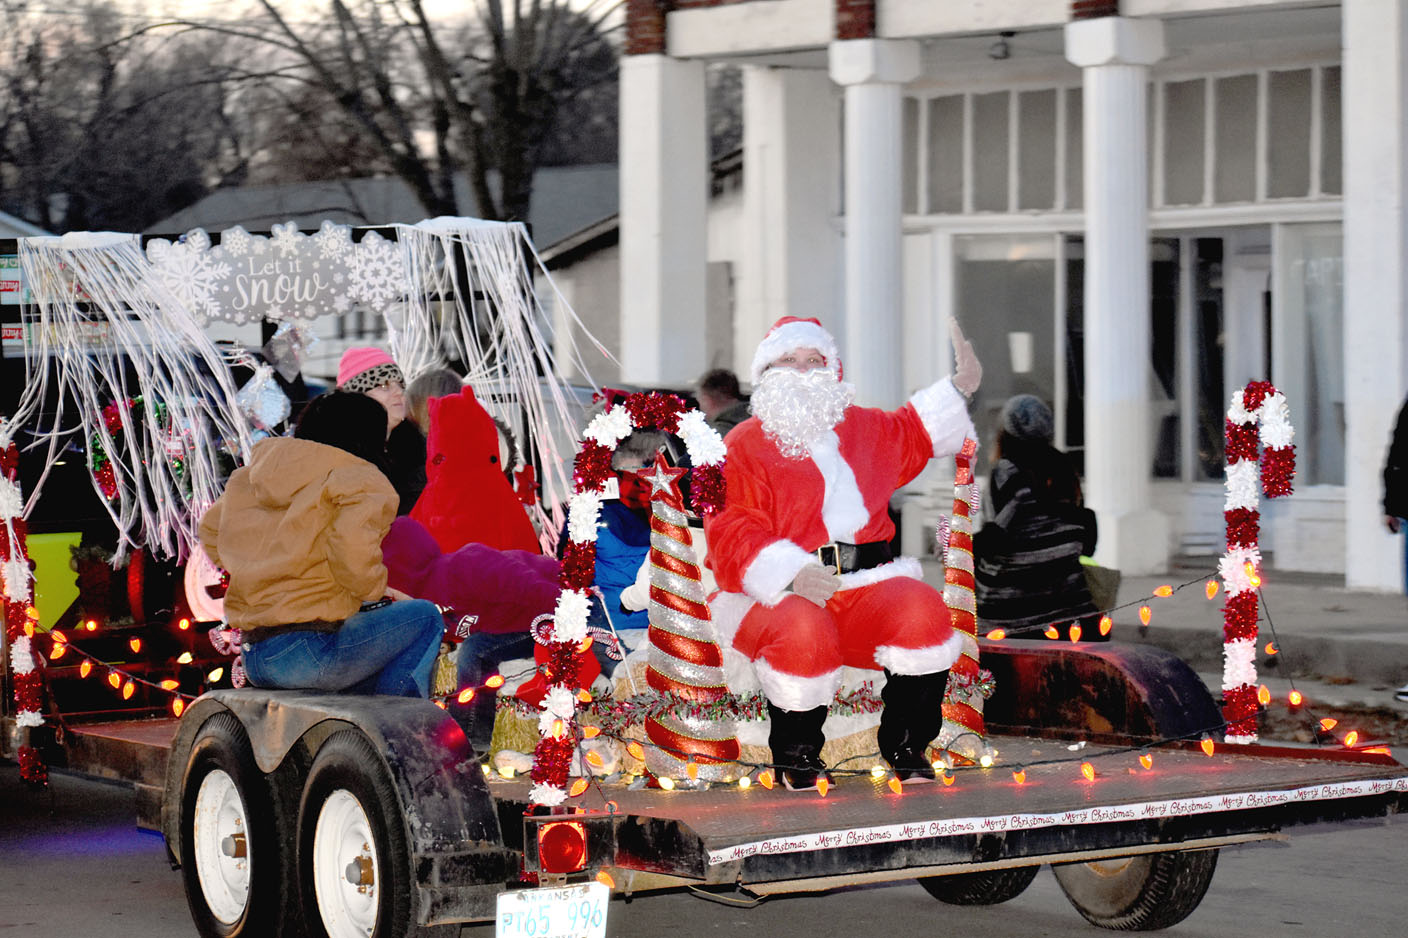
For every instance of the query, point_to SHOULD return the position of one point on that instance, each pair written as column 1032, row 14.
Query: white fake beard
column 797, row 408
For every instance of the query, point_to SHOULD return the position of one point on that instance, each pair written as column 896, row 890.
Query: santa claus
column 802, row 553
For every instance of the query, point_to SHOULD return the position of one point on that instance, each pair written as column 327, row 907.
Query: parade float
column 353, row 815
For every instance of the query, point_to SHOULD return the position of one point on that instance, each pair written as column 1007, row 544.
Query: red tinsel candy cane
column 1257, row 403
column 16, row 579
column 963, row 731
column 552, row 758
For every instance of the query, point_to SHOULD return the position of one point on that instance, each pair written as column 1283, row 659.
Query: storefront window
column 1005, row 300
column 1307, row 363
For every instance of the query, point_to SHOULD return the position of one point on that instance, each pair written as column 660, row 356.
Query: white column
column 790, row 264
column 874, row 72
column 1375, row 102
column 1114, row 54
column 664, row 196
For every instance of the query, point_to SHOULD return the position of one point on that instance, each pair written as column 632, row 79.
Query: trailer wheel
column 354, row 863
column 234, row 865
column 1139, row 893
column 987, row 888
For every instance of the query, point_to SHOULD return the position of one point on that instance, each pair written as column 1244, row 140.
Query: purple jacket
column 503, row 589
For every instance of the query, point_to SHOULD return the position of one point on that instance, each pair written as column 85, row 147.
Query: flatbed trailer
column 429, row 837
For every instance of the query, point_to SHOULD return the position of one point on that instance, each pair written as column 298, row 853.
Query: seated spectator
column 299, row 529
column 1027, row 557
column 370, row 371
column 492, row 595
column 405, row 446
column 467, row 498
column 623, row 543
column 722, row 400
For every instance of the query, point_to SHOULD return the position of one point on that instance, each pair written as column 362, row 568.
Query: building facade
column 1132, row 207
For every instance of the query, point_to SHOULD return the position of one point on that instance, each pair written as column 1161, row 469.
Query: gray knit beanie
column 1026, row 417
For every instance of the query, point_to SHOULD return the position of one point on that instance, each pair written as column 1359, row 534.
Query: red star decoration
column 664, row 481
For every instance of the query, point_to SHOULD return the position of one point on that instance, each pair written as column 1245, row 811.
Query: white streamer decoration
column 111, row 322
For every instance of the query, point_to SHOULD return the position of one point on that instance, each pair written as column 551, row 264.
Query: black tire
column 1139, row 893
column 986, row 888
column 347, row 777
column 229, row 899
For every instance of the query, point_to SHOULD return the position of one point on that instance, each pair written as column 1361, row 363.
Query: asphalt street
column 73, row 865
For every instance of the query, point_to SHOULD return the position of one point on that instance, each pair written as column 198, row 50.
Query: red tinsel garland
column 1239, row 709
column 592, row 466
column 1239, row 617
column 1243, row 527
column 1278, row 468
column 28, row 687
column 1241, row 442
column 578, row 565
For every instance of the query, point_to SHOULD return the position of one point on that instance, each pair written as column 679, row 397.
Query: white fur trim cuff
column 770, row 573
column 726, row 611
column 793, row 692
column 945, row 415
column 927, row 660
column 789, row 338
column 900, row 566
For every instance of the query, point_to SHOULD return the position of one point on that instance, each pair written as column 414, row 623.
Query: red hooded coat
column 467, row 499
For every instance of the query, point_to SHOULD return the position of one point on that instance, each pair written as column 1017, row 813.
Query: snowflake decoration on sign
column 285, row 237
column 236, row 241
column 334, row 241
column 187, row 270
column 341, row 303
column 378, row 271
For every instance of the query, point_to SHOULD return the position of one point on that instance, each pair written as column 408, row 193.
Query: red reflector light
column 562, row 847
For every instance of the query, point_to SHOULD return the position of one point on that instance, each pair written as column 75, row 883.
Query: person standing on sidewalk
column 722, row 401
column 1396, row 496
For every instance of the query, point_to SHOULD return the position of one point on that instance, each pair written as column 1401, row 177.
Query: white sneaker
column 1401, row 694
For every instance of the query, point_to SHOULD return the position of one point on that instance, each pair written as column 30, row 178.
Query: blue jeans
column 389, row 650
column 480, row 656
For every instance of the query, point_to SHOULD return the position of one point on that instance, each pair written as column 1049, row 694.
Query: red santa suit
column 779, row 511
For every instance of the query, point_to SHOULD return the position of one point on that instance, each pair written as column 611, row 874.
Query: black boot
column 912, row 717
column 796, row 739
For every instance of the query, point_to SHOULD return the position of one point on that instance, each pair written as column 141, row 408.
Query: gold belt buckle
column 835, row 560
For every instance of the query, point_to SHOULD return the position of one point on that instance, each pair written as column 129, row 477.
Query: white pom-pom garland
column 1243, row 485
column 583, row 515
column 11, row 502
column 21, row 656
column 547, row 795
column 1238, row 663
column 570, row 616
column 705, row 446
column 610, row 427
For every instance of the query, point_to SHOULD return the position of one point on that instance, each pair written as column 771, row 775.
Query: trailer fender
column 452, row 825
column 1108, row 693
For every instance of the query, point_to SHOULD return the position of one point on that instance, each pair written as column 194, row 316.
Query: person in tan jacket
column 299, row 530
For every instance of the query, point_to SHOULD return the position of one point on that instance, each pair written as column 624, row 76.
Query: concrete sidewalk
column 1341, row 647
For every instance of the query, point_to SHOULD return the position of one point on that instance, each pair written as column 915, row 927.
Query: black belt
column 848, row 558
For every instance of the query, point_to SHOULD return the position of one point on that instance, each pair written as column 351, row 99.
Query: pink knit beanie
column 366, row 360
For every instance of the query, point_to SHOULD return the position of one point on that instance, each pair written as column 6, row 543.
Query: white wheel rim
column 343, row 847
column 220, row 832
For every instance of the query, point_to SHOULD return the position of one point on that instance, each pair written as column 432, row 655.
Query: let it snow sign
column 288, row 275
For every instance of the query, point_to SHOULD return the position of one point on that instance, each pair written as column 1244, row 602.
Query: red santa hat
column 789, row 334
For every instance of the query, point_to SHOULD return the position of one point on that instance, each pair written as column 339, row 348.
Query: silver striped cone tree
column 694, row 736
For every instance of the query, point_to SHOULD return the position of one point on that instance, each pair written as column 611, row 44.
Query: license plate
column 559, row 912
